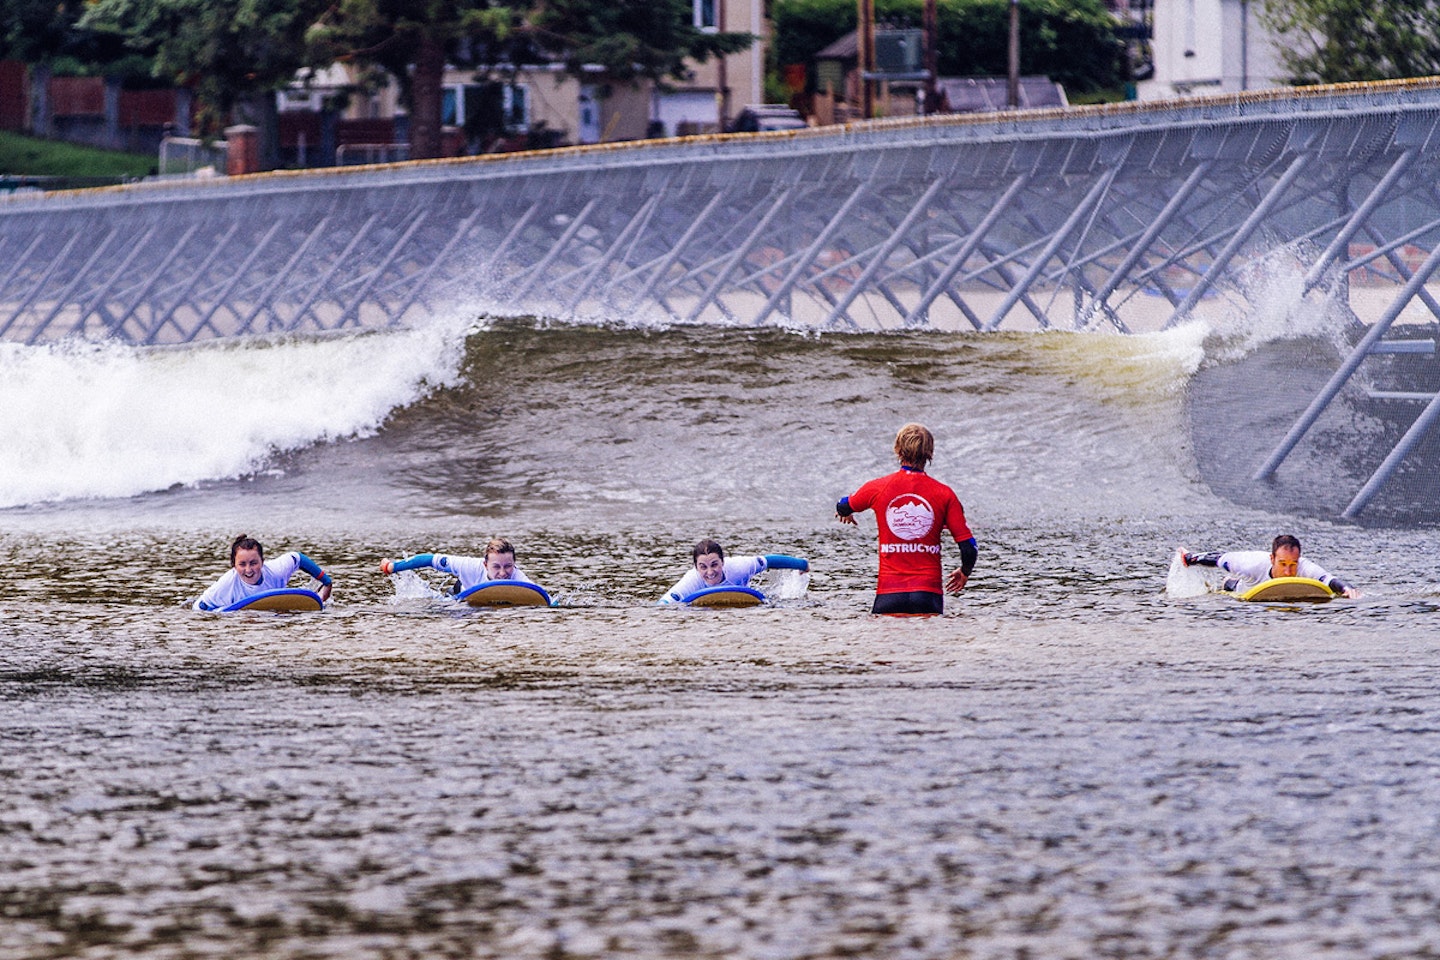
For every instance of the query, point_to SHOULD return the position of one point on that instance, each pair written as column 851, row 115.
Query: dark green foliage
column 1337, row 41
column 230, row 52
column 630, row 39
column 1070, row 41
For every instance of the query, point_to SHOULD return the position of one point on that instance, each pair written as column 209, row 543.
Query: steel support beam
column 738, row 256
column 1347, row 369
column 803, row 262
column 1092, row 198
column 976, row 237
column 1417, row 432
column 877, row 261
column 354, row 308
column 535, row 272
column 1378, row 195
column 1241, row 237
column 222, row 298
column 1142, row 246
column 633, row 226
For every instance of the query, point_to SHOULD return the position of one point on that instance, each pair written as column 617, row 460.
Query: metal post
column 635, row 225
column 1378, row 195
column 535, row 272
column 1240, row 238
column 217, row 247
column 354, row 308
column 967, row 248
column 118, row 325
column 932, row 58
column 223, row 298
column 270, row 288
column 420, row 280
column 1417, row 432
column 803, row 262
column 1092, row 198
column 865, row 56
column 1404, row 272
column 1348, row 368
column 1012, row 88
column 887, row 248
column 1141, row 246
column 678, row 249
column 96, row 297
column 741, row 252
column 323, row 282
column 64, row 294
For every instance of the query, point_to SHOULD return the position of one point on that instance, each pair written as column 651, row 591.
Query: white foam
column 1277, row 305
column 1183, row 582
column 106, row 420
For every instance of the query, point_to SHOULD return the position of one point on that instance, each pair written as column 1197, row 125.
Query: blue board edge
column 707, row 591
column 239, row 605
column 507, row 583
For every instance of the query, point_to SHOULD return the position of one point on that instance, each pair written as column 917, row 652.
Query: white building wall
column 1210, row 46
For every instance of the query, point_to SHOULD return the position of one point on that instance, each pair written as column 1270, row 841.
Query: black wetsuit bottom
column 914, row 601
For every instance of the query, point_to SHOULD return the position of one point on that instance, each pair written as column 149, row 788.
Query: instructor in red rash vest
column 910, row 509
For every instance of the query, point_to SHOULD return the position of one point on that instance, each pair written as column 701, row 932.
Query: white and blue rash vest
column 739, row 571
column 470, row 571
column 274, row 575
column 1249, row 567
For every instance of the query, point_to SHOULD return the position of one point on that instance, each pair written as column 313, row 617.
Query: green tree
column 1073, row 42
column 412, row 40
column 49, row 36
column 1337, row 41
column 629, row 39
column 233, row 53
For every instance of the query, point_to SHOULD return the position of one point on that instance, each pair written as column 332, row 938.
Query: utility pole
column 931, row 58
column 1013, row 88
column 865, row 55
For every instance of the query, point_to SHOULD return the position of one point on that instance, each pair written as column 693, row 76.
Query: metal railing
column 188, row 157
column 1123, row 217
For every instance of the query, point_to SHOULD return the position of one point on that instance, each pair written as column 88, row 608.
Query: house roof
column 985, row 94
column 846, row 48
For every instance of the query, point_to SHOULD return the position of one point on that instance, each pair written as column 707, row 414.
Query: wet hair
column 245, row 542
column 1284, row 540
column 914, row 445
column 707, row 546
column 499, row 545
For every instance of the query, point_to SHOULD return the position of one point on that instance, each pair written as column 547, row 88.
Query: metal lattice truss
column 1126, row 218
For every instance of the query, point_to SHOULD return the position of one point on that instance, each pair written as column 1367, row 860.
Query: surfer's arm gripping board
column 314, row 570
column 409, row 563
column 1253, row 566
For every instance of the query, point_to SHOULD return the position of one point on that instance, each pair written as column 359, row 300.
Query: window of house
column 707, row 15
column 516, row 104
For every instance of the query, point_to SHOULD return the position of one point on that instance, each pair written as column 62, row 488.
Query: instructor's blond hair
column 914, row 445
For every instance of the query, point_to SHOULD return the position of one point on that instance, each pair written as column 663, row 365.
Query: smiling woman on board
column 711, row 569
column 910, row 509
column 250, row 574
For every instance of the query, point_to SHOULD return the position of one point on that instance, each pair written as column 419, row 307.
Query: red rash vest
column 910, row 508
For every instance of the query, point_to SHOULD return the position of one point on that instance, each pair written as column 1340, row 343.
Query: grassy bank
column 31, row 157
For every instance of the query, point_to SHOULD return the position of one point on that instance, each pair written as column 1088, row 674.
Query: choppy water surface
column 1071, row 763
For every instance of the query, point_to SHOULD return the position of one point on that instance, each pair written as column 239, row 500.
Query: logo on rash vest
column 910, row 516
